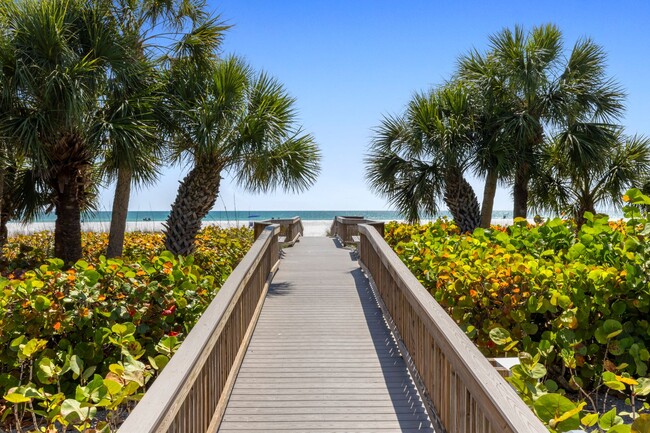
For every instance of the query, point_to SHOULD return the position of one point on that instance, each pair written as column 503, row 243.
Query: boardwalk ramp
column 321, row 358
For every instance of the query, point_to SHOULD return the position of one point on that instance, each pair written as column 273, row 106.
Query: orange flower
column 57, row 326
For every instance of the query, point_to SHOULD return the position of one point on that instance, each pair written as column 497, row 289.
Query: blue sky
column 349, row 62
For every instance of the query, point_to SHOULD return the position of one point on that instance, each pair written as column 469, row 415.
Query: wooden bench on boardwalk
column 326, row 345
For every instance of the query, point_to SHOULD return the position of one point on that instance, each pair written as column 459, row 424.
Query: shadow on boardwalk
column 322, row 357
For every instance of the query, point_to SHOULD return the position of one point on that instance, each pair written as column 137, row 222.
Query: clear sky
column 348, row 62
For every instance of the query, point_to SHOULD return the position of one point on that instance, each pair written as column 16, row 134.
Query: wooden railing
column 464, row 392
column 290, row 228
column 191, row 393
column 345, row 227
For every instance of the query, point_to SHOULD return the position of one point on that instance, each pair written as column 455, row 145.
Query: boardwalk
column 321, row 358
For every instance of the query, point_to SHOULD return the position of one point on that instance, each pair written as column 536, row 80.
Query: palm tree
column 24, row 194
column 493, row 158
column 540, row 92
column 134, row 98
column 134, row 149
column 230, row 119
column 56, row 58
column 574, row 179
column 420, row 157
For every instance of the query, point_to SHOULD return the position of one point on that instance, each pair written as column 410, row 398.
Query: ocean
column 257, row 215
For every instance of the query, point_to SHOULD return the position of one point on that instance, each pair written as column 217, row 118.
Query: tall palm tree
column 495, row 154
column 229, row 118
column 146, row 25
column 420, row 157
column 131, row 158
column 541, row 91
column 575, row 180
column 56, row 58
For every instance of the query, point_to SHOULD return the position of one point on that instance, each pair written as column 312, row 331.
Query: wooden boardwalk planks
column 321, row 358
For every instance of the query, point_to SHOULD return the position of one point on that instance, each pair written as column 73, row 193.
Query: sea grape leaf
column 620, row 428
column 641, row 424
column 500, row 336
column 612, row 328
column 642, row 387
column 32, row 347
column 14, row 397
column 589, row 420
column 73, row 412
column 551, row 407
column 615, row 384
column 609, row 420
column 76, row 365
column 42, row 303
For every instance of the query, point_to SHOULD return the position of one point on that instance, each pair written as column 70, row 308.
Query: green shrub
column 578, row 300
column 75, row 340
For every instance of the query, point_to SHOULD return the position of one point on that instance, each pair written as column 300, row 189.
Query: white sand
column 311, row 228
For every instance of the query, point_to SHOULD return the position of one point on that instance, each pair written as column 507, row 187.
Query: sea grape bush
column 573, row 303
column 81, row 341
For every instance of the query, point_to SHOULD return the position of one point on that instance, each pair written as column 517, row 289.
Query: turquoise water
column 258, row 215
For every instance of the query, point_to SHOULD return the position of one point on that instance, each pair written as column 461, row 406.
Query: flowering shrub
column 76, row 340
column 574, row 304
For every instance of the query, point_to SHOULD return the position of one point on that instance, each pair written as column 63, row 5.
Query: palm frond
column 291, row 165
column 413, row 187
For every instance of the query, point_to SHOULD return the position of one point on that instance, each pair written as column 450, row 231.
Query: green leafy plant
column 576, row 299
column 86, row 340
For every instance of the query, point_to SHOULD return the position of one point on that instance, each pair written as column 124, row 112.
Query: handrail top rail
column 292, row 220
column 158, row 406
column 480, row 378
column 351, row 219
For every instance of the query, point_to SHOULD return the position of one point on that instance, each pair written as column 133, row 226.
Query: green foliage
column 91, row 337
column 573, row 304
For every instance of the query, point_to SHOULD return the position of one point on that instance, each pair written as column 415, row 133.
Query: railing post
column 346, row 227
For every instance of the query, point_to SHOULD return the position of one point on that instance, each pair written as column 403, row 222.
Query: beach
column 311, row 227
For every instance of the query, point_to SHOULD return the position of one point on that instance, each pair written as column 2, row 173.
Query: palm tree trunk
column 67, row 228
column 461, row 201
column 586, row 204
column 196, row 195
column 520, row 191
column 119, row 214
column 489, row 191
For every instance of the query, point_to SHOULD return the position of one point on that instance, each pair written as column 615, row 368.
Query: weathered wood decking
column 321, row 358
